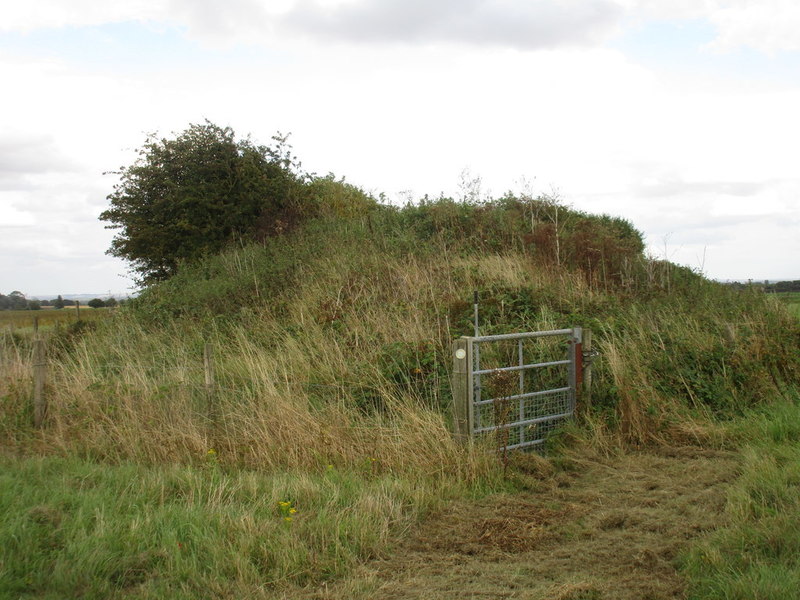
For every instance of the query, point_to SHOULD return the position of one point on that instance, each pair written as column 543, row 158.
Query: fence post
column 730, row 334
column 39, row 374
column 575, row 367
column 208, row 372
column 78, row 309
column 586, row 392
column 462, row 388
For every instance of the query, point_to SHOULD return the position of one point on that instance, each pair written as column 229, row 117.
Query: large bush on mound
column 189, row 196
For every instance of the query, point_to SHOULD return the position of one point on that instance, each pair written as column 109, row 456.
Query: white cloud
column 769, row 26
column 45, row 14
column 530, row 24
column 23, row 155
column 508, row 23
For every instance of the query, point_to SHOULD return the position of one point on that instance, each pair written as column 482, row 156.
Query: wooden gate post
column 462, row 388
column 39, row 374
column 586, row 392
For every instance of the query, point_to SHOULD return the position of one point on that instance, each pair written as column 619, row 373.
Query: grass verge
column 70, row 528
column 757, row 554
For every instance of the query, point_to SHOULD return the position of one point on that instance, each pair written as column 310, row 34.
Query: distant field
column 792, row 300
column 23, row 319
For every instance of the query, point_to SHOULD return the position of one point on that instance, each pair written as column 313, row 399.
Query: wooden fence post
column 39, row 374
column 462, row 387
column 78, row 309
column 586, row 392
column 208, row 371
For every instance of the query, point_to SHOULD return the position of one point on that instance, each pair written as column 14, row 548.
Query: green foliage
column 225, row 284
column 420, row 369
column 190, row 196
column 756, row 554
column 669, row 324
column 783, row 287
column 64, row 335
column 96, row 303
column 334, row 198
column 14, row 301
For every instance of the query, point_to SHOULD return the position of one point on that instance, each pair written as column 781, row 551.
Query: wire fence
column 198, row 380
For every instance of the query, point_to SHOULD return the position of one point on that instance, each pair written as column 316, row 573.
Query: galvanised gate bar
column 529, row 392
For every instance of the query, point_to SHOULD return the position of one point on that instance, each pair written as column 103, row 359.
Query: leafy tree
column 111, row 302
column 191, row 195
column 34, row 305
column 96, row 303
column 58, row 302
column 17, row 301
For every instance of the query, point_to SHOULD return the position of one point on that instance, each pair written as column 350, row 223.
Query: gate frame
column 466, row 357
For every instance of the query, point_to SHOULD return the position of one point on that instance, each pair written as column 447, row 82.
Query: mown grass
column 756, row 556
column 72, row 528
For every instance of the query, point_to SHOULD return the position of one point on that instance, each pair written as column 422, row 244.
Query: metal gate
column 518, row 387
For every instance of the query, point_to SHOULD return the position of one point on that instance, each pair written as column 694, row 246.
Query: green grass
column 71, row 528
column 794, row 308
column 22, row 320
column 757, row 555
column 792, row 301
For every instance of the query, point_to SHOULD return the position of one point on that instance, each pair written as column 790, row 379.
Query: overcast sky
column 680, row 115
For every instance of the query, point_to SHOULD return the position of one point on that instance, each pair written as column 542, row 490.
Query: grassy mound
column 331, row 351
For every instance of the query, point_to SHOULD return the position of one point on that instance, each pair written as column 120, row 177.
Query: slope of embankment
column 278, row 412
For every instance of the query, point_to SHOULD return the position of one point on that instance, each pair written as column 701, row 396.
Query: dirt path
column 606, row 530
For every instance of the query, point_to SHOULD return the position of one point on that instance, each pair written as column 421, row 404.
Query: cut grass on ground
column 599, row 529
column 683, row 523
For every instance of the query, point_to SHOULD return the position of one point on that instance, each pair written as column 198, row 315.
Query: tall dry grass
column 341, row 353
column 284, row 389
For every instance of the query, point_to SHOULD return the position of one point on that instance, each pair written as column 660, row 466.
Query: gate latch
column 589, row 356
